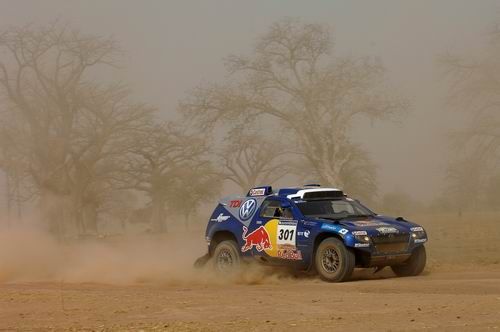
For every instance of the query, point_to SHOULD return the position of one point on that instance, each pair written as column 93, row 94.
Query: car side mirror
column 400, row 219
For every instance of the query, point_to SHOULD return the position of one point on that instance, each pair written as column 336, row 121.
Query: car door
column 287, row 232
column 261, row 240
column 275, row 232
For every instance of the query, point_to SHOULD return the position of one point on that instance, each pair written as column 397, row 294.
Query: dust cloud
column 408, row 159
column 28, row 255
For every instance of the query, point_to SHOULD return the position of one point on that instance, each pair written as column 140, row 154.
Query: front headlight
column 418, row 235
column 362, row 238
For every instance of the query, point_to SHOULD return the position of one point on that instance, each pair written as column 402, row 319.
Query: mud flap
column 202, row 261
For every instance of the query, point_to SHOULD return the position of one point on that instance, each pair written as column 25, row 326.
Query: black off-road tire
column 226, row 257
column 414, row 265
column 333, row 261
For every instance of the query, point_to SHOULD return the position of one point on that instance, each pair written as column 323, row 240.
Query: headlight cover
column 418, row 235
column 362, row 239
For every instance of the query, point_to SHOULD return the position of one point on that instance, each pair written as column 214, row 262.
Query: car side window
column 286, row 213
column 270, row 209
column 273, row 209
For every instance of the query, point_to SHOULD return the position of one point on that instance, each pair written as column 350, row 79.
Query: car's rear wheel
column 414, row 265
column 333, row 261
column 226, row 257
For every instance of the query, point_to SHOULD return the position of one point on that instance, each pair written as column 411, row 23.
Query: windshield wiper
column 337, row 219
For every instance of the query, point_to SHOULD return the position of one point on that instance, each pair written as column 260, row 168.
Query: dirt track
column 466, row 300
column 148, row 283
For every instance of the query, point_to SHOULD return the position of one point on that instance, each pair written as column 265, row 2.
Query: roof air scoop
column 260, row 191
column 326, row 194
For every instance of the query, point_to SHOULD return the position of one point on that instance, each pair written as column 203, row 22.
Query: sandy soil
column 444, row 301
column 149, row 284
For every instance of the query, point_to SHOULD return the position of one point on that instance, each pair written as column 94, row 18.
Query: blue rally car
column 312, row 228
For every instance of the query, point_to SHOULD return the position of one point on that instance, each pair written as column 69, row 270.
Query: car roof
column 295, row 192
column 304, row 192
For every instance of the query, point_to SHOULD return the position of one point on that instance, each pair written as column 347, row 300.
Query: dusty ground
column 460, row 290
column 444, row 301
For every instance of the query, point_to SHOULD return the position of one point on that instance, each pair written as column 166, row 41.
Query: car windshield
column 333, row 209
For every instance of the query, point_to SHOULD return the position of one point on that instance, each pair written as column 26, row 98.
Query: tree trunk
column 19, row 206
column 76, row 214
column 123, row 223
column 16, row 197
column 8, row 198
column 90, row 218
column 158, row 215
column 79, row 223
column 51, row 212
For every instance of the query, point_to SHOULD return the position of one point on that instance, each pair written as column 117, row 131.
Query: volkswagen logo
column 247, row 209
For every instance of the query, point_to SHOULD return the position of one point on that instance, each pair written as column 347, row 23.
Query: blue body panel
column 291, row 240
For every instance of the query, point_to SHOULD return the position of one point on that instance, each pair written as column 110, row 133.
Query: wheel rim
column 224, row 259
column 330, row 260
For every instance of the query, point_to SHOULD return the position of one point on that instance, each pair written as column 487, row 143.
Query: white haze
column 172, row 46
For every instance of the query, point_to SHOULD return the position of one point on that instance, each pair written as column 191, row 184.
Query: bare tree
column 358, row 174
column 192, row 186
column 475, row 90
column 464, row 183
column 249, row 158
column 103, row 136
column 75, row 130
column 161, row 156
column 13, row 162
column 293, row 78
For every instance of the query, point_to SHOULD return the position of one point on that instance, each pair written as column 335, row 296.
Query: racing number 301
column 286, row 234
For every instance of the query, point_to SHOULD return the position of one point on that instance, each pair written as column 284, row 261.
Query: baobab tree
column 249, row 158
column 68, row 120
column 475, row 91
column 358, row 175
column 293, row 78
column 103, row 135
column 192, row 186
column 13, row 163
column 168, row 165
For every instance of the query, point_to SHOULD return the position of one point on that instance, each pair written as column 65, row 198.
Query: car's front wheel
column 334, row 262
column 414, row 265
column 226, row 257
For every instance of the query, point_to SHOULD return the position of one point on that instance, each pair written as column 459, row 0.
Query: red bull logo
column 290, row 254
column 258, row 238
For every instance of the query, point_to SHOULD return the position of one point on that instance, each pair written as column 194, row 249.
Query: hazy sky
column 172, row 46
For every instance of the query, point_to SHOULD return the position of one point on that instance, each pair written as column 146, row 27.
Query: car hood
column 379, row 224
